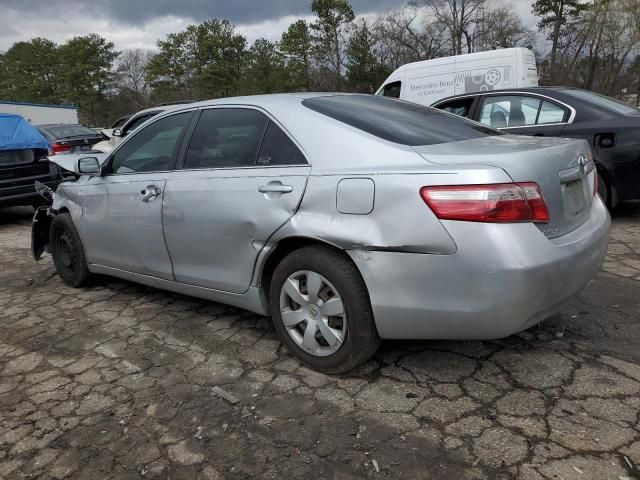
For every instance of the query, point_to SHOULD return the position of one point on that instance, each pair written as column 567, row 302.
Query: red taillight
column 60, row 148
column 493, row 203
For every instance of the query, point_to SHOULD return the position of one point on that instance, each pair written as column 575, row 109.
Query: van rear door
column 527, row 75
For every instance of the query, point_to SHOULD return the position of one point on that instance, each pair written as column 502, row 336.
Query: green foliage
column 364, row 71
column 332, row 18
column 204, row 61
column 30, row 71
column 556, row 11
column 296, row 47
column 266, row 69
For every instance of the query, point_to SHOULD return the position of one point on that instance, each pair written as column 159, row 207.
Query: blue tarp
column 18, row 134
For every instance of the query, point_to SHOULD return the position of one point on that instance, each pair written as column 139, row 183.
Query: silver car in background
column 346, row 218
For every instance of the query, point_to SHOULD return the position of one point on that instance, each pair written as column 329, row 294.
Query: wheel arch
column 283, row 248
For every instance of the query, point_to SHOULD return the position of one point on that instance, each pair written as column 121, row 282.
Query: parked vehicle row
column 610, row 127
column 23, row 161
column 69, row 138
column 347, row 218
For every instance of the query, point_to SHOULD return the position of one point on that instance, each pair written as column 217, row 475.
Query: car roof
column 538, row 90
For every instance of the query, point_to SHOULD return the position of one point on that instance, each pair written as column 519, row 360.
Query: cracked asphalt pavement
column 115, row 382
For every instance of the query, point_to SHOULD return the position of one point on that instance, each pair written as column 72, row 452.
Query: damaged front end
column 41, row 223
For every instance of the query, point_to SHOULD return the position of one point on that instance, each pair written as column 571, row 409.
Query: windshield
column 602, row 101
column 398, row 121
column 65, row 131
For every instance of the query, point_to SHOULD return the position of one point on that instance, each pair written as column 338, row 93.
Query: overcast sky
column 140, row 23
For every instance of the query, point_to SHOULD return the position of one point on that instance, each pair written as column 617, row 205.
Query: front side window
column 505, row 111
column 152, row 149
column 226, row 138
column 392, row 90
column 397, row 121
column 459, row 107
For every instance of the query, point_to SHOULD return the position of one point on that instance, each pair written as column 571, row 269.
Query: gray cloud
column 140, row 11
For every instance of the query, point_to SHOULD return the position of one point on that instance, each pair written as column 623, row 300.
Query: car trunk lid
column 562, row 168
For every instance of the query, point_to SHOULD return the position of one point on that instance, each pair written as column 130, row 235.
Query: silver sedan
column 346, row 218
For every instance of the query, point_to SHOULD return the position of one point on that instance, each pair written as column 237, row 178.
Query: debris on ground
column 232, row 399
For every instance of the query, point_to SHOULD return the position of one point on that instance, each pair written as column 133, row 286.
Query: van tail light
column 492, row 203
column 60, row 148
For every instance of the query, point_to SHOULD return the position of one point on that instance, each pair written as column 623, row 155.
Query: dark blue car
column 23, row 161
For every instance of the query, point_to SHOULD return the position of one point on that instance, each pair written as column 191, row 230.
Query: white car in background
column 116, row 135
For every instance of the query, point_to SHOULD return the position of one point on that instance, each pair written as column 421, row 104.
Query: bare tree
column 402, row 38
column 131, row 74
column 501, row 27
column 459, row 18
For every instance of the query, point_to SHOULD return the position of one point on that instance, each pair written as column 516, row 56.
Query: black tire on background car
column 604, row 191
column 67, row 251
column 321, row 297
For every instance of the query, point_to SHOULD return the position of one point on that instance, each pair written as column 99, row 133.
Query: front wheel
column 321, row 310
column 67, row 251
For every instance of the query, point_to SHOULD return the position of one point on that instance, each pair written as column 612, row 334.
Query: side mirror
column 88, row 166
column 116, row 133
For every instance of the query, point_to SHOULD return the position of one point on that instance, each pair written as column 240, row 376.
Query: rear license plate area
column 574, row 200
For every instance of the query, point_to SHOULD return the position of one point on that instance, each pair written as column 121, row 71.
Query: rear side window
column 278, row 149
column 226, row 138
column 397, row 121
column 519, row 111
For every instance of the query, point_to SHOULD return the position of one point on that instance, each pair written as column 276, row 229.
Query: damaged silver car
column 346, row 218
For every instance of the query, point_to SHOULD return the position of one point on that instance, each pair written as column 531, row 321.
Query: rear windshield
column 398, row 121
column 64, row 131
column 601, row 101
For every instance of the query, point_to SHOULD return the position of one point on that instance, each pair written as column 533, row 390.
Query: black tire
column 68, row 252
column 604, row 191
column 361, row 340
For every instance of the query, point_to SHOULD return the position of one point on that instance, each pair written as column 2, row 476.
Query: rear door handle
column 275, row 188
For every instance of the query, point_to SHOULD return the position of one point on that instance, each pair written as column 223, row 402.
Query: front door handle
column 275, row 188
column 150, row 193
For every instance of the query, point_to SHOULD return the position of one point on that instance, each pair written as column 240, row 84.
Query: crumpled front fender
column 40, row 232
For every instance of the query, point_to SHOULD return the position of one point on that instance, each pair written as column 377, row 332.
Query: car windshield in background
column 66, row 131
column 398, row 121
column 603, row 102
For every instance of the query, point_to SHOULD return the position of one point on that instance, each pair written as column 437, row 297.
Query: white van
column 431, row 80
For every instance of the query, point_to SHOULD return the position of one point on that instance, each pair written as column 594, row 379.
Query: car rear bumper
column 501, row 280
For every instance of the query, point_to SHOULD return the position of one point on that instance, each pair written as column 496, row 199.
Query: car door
column 241, row 178
column 522, row 114
column 122, row 210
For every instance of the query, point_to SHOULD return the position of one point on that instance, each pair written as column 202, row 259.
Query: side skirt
column 252, row 300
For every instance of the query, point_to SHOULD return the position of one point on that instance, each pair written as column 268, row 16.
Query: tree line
column 593, row 45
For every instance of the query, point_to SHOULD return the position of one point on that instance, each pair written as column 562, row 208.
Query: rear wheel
column 67, row 251
column 321, row 310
